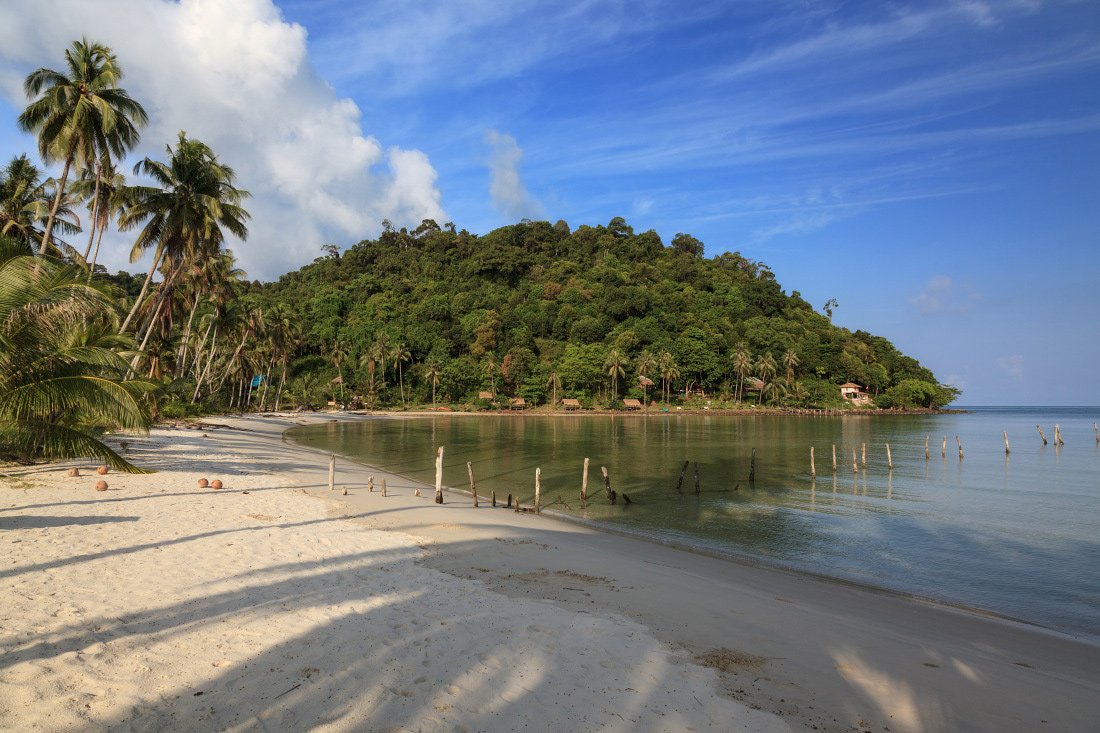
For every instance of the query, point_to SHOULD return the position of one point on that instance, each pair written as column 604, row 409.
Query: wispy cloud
column 942, row 295
column 506, row 187
column 1011, row 367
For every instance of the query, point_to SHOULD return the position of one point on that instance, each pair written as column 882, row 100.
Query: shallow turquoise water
column 1017, row 535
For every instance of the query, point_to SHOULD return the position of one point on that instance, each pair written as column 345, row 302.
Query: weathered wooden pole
column 926, row 448
column 680, row 483
column 538, row 490
column 494, row 498
column 943, row 448
column 607, row 485
column 1041, row 433
column 855, row 462
column 473, row 486
column 959, row 441
column 1096, row 429
column 752, row 466
column 370, row 483
column 584, row 484
column 332, row 472
column 696, row 478
column 383, row 486
column 509, row 504
column 1007, row 449
column 889, row 458
column 813, row 468
column 1058, row 435
column 863, row 456
column 439, row 476
column 834, row 457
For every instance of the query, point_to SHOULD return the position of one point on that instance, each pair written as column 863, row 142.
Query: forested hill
column 540, row 311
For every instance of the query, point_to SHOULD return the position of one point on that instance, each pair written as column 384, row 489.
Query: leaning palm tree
column 81, row 114
column 185, row 213
column 25, row 203
column 106, row 193
column 61, row 382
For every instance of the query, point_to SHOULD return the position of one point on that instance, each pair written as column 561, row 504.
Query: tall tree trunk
column 145, row 341
column 162, row 294
column 48, row 231
column 236, row 353
column 282, row 381
column 199, row 351
column 95, row 255
column 182, row 354
column 144, row 289
column 205, row 371
column 267, row 380
column 93, row 213
column 401, row 382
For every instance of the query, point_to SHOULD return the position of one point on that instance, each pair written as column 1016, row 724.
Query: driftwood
column 1041, row 433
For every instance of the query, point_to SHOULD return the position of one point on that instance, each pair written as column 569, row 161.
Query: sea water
column 1015, row 533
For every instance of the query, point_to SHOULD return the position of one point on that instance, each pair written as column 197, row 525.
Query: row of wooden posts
column 612, row 496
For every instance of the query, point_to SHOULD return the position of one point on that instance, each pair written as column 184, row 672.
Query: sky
column 934, row 166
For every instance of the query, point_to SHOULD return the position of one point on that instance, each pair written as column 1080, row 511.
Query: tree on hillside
column 742, row 365
column 615, row 364
column 765, row 369
column 81, row 114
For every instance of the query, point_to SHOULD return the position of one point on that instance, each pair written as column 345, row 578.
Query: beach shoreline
column 811, row 651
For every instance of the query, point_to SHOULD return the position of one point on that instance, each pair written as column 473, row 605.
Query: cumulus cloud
column 505, row 185
column 942, row 295
column 237, row 76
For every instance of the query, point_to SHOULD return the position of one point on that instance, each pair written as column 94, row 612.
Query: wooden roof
column 851, row 385
column 570, row 402
column 485, row 395
column 632, row 404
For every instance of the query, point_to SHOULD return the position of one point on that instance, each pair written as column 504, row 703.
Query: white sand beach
column 275, row 604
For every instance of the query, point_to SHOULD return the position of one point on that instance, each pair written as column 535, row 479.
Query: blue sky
column 933, row 166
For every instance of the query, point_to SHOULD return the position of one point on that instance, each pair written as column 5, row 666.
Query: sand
column 276, row 604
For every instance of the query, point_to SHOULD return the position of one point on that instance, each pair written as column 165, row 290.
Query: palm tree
column 647, row 365
column 81, row 114
column 669, row 370
column 489, row 368
column 338, row 355
column 765, row 369
column 105, row 190
column 742, row 363
column 400, row 354
column 433, row 372
column 615, row 364
column 554, row 383
column 60, row 379
column 790, row 361
column 25, row 202
column 185, row 213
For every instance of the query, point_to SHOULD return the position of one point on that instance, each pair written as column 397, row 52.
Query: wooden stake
column 1058, row 435
column 332, row 472
column 607, row 485
column 855, row 462
column 1041, row 433
column 439, row 476
column 538, row 490
column 1007, row 449
column 863, row 461
column 752, row 466
column 383, row 486
column 926, row 447
column 509, row 504
column 680, row 483
column 957, row 440
column 813, row 468
column 370, row 483
column 473, row 486
column 889, row 458
column 1096, row 429
column 834, row 457
column 584, row 484
column 943, row 448
column 696, row 479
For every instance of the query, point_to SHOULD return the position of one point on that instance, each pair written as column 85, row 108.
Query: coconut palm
column 60, row 379
column 669, row 371
column 104, row 189
column 79, row 114
column 490, row 367
column 790, row 361
column 615, row 365
column 185, row 213
column 25, row 201
column 554, row 383
column 339, row 354
column 765, row 369
column 433, row 372
column 647, row 365
column 742, row 364
column 400, row 355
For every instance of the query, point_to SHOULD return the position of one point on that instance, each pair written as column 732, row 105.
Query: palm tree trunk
column 209, row 361
column 162, row 294
column 282, row 381
column 202, row 347
column 186, row 335
column 145, row 341
column 236, row 353
column 401, row 382
column 48, row 231
column 267, row 380
column 93, row 214
column 95, row 255
column 144, row 290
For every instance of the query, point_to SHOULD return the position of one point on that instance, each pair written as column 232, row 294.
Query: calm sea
column 1016, row 534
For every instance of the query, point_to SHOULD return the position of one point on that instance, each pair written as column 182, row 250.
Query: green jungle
column 433, row 316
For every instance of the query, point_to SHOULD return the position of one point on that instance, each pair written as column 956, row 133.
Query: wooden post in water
column 607, row 485
column 383, row 486
column 889, row 458
column 959, row 441
column 855, row 462
column 494, row 497
column 439, row 476
column 680, row 483
column 509, row 504
column 331, row 472
column 370, row 483
column 1007, row 449
column 943, row 448
column 696, row 479
column 1058, row 435
column 863, row 461
column 538, row 490
column 834, row 457
column 752, row 466
column 926, row 447
column 813, row 468
column 473, row 486
column 584, row 484
column 1096, row 429
column 1041, row 433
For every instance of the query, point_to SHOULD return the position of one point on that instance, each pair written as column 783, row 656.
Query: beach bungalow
column 632, row 404
column 571, row 404
column 853, row 393
column 518, row 403
column 487, row 396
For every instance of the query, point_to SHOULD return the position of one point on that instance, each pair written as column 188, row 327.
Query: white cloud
column 942, row 295
column 1012, row 367
column 237, row 76
column 505, row 185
